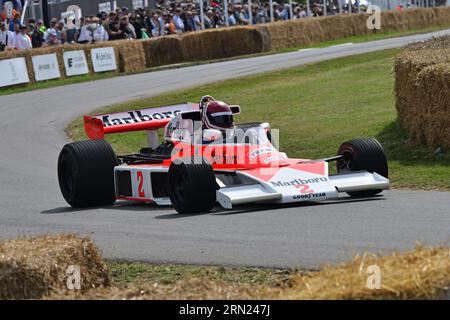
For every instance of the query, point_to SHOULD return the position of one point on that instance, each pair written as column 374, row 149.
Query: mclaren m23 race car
column 205, row 159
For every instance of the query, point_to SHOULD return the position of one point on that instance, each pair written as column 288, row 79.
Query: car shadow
column 269, row 207
column 122, row 205
column 217, row 211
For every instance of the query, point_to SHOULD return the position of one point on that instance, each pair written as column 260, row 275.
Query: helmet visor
column 223, row 121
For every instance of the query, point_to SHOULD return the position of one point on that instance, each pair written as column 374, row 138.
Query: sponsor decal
column 103, row 56
column 46, row 67
column 309, row 196
column 13, row 71
column 259, row 152
column 103, row 59
column 75, row 63
column 138, row 117
column 225, row 159
column 298, row 182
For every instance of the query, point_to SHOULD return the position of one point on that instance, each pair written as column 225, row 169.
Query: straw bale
column 162, row 51
column 422, row 92
column 31, row 268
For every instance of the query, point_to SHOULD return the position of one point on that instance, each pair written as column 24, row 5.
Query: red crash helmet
column 218, row 115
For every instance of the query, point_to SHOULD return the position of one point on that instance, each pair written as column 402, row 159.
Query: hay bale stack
column 131, row 56
column 422, row 273
column 162, row 51
column 221, row 43
column 421, row 89
column 433, row 84
column 31, row 268
column 309, row 31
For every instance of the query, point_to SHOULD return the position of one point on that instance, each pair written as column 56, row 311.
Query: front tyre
column 86, row 173
column 365, row 154
column 192, row 186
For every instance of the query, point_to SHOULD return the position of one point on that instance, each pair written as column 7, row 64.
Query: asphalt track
column 31, row 136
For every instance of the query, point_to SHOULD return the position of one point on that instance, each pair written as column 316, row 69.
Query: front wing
column 295, row 183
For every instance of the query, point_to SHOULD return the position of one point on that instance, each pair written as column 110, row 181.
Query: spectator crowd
column 169, row 17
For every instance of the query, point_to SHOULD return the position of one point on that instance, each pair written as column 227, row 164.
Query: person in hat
column 23, row 41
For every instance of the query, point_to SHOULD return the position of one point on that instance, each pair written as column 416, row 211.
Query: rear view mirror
column 192, row 115
column 235, row 109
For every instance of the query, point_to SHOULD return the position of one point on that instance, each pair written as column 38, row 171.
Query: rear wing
column 137, row 120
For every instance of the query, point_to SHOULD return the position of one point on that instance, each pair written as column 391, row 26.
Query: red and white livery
column 205, row 159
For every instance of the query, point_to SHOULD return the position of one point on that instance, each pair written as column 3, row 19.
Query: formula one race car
column 204, row 159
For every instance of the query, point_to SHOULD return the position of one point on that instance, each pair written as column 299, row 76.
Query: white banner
column 46, row 67
column 105, row 7
column 9, row 9
column 13, row 71
column 75, row 63
column 138, row 4
column 104, row 59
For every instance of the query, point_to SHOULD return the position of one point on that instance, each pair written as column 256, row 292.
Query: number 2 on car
column 140, row 180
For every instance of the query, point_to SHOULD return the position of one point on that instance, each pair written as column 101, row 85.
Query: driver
column 217, row 115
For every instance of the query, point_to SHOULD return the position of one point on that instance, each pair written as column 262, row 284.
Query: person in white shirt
column 100, row 34
column 177, row 21
column 7, row 38
column 49, row 35
column 197, row 25
column 85, row 34
column 23, row 41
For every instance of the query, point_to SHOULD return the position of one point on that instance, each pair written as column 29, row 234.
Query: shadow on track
column 268, row 207
column 122, row 205
column 218, row 211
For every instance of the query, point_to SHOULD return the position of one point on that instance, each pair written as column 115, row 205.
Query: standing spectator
column 155, row 25
column 162, row 24
column 177, row 21
column 71, row 32
column 85, row 35
column 114, row 27
column 37, row 36
column 61, row 32
column 209, row 19
column 99, row 33
column 197, row 24
column 136, row 23
column 285, row 13
column 7, row 38
column 51, row 31
column 231, row 17
column 128, row 31
column 23, row 41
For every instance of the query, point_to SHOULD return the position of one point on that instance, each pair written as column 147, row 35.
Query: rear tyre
column 192, row 186
column 366, row 154
column 86, row 173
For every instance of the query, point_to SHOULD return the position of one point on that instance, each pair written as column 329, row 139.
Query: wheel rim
column 344, row 164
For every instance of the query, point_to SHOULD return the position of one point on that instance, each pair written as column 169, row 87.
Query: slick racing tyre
column 192, row 186
column 86, row 173
column 365, row 154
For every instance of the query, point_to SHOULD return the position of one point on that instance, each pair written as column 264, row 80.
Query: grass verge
column 316, row 107
column 100, row 76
